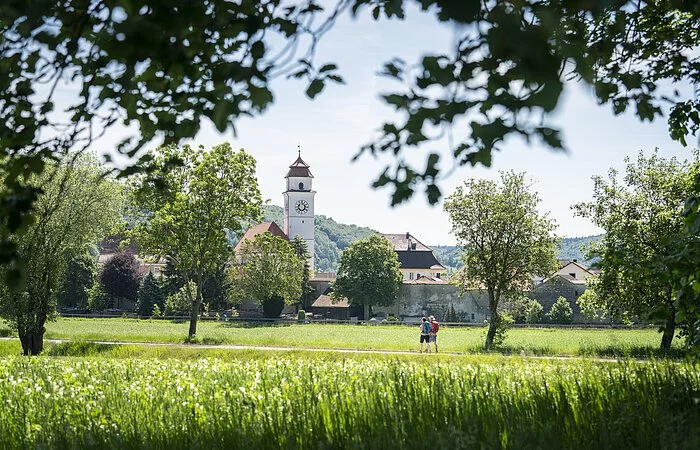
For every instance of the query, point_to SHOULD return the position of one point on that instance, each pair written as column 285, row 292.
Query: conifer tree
column 150, row 295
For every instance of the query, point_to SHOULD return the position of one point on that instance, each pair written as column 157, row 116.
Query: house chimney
column 413, row 245
column 574, row 260
column 408, row 235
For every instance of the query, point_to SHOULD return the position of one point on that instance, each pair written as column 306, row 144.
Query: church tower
column 299, row 205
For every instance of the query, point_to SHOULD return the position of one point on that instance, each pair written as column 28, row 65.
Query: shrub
column 150, row 295
column 272, row 307
column 178, row 303
column 503, row 323
column 156, row 311
column 98, row 299
column 561, row 312
column 451, row 315
column 77, row 281
column 533, row 311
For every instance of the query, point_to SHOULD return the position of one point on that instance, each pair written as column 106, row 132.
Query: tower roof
column 299, row 168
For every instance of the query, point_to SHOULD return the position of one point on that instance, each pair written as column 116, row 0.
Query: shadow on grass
column 80, row 348
column 510, row 350
column 637, row 351
column 5, row 332
column 205, row 340
column 242, row 324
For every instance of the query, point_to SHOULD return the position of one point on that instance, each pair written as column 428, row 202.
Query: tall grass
column 306, row 402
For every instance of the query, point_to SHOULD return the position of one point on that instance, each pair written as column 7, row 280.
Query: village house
column 568, row 282
column 416, row 259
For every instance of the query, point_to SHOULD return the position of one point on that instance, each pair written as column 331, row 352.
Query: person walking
column 434, row 328
column 425, row 334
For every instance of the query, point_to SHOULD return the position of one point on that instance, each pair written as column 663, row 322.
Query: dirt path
column 320, row 350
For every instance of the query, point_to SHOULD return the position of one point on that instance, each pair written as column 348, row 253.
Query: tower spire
column 299, row 149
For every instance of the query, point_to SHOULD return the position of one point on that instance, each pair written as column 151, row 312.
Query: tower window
column 301, row 186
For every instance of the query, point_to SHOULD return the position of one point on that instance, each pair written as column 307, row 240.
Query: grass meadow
column 529, row 341
column 85, row 394
column 263, row 399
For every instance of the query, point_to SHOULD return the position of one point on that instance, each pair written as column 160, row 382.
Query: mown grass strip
column 527, row 341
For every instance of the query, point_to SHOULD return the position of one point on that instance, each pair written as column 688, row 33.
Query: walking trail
column 321, row 350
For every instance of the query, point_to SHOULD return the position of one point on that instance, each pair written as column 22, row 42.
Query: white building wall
column 300, row 224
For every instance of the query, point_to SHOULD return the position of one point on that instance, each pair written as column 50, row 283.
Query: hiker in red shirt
column 434, row 328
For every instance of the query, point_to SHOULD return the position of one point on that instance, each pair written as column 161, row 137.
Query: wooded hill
column 333, row 237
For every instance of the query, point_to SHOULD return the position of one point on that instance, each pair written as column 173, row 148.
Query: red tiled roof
column 325, row 301
column 270, row 227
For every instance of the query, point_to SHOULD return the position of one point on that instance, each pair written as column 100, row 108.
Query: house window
column 410, row 275
column 301, row 186
column 472, row 317
column 576, row 293
column 417, row 276
column 437, row 274
column 572, row 274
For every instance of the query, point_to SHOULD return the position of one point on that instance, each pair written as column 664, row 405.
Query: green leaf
column 314, row 88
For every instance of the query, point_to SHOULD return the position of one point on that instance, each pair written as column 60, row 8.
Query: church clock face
column 302, row 206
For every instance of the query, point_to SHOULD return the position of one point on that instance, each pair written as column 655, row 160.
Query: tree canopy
column 163, row 66
column 120, row 278
column 270, row 272
column 506, row 241
column 187, row 207
column 369, row 273
column 642, row 218
column 77, row 207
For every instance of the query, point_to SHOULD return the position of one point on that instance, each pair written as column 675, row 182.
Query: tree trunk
column 493, row 320
column 669, row 330
column 32, row 342
column 194, row 312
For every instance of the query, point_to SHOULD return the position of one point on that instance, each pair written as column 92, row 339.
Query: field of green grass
column 530, row 341
column 330, row 400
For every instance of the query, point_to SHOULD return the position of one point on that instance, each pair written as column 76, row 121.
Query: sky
column 331, row 129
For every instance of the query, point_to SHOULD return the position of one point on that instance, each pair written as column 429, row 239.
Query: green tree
column 369, row 273
column 686, row 271
column 561, row 312
column 98, row 298
column 505, row 74
column 77, row 206
column 533, row 311
column 120, row 278
column 506, row 240
column 302, row 253
column 79, row 277
column 179, row 302
column 150, row 295
column 523, row 309
column 207, row 60
column 270, row 273
column 190, row 205
column 643, row 223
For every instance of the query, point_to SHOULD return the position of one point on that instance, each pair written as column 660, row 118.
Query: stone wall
column 548, row 292
column 416, row 301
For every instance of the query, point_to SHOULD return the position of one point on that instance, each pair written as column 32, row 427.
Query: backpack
column 426, row 328
column 435, row 327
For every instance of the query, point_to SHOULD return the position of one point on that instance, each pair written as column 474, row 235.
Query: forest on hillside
column 333, row 237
